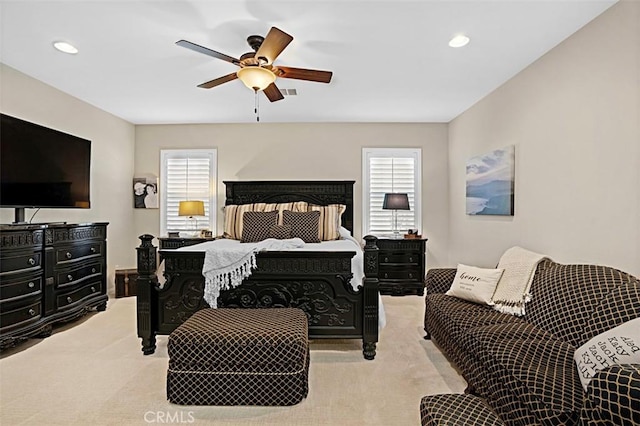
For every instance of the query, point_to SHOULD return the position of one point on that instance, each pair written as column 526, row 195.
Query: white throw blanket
column 512, row 291
column 226, row 267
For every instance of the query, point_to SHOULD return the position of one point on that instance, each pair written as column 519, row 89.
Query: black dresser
column 49, row 273
column 401, row 266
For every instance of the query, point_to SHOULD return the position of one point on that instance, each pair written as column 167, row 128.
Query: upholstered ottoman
column 239, row 357
column 457, row 410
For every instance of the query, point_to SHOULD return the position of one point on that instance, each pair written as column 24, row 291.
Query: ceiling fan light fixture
column 255, row 77
column 459, row 41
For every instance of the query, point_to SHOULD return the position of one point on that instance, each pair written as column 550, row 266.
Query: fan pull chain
column 256, row 107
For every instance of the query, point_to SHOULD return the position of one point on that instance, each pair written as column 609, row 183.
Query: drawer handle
column 410, row 275
column 386, row 259
column 410, row 259
column 93, row 249
column 69, row 299
column 32, row 312
column 93, row 270
column 31, row 261
column 31, row 284
column 70, row 277
column 93, row 289
column 68, row 255
column 386, row 275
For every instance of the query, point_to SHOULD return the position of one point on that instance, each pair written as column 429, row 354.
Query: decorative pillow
column 475, row 284
column 330, row 220
column 233, row 214
column 256, row 225
column 280, row 232
column 303, row 225
column 620, row 345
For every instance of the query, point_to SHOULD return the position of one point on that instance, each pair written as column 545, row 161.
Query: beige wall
column 305, row 151
column 112, row 150
column 574, row 118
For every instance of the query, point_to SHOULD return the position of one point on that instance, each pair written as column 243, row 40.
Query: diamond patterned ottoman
column 239, row 357
column 457, row 409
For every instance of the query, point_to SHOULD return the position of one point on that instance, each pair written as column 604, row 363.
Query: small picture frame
column 205, row 233
column 174, row 234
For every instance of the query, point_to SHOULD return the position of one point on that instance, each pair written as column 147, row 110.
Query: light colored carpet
column 92, row 372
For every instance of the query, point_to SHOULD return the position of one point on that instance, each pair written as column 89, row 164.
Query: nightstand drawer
column 399, row 258
column 404, row 274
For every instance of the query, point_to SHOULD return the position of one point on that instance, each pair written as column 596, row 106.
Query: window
column 387, row 170
column 187, row 175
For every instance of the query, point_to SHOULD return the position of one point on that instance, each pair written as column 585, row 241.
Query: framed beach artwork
column 490, row 183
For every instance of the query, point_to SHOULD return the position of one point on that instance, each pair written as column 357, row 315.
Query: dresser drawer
column 20, row 288
column 78, row 274
column 20, row 262
column 69, row 299
column 20, row 316
column 78, row 252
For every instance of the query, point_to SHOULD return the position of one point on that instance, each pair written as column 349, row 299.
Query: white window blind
column 387, row 170
column 187, row 175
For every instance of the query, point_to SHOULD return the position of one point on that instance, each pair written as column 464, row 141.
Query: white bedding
column 346, row 243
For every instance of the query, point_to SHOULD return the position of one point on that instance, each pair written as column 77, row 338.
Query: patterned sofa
column 523, row 367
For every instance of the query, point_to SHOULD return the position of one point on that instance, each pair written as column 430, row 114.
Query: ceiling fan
column 257, row 71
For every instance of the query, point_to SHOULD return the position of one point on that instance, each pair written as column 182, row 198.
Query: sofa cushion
column 564, row 297
column 532, row 379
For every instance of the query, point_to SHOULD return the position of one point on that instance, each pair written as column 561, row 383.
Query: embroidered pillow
column 280, row 232
column 330, row 220
column 620, row 345
column 475, row 285
column 256, row 225
column 304, row 225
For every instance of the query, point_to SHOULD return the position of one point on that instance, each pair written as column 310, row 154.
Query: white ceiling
column 390, row 59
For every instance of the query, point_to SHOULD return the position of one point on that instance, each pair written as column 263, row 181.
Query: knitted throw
column 512, row 291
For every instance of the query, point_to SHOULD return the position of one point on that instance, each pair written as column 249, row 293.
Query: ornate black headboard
column 321, row 192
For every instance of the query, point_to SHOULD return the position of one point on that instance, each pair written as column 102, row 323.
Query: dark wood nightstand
column 177, row 242
column 401, row 266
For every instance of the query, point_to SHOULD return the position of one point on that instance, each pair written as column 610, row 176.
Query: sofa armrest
column 439, row 280
column 613, row 395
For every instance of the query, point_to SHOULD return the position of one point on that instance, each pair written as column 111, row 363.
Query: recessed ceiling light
column 459, row 41
column 65, row 47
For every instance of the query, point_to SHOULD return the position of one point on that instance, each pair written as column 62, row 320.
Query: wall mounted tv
column 42, row 167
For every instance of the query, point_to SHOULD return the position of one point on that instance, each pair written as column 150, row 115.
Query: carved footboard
column 319, row 283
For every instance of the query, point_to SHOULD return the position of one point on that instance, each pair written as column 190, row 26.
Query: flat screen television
column 42, row 167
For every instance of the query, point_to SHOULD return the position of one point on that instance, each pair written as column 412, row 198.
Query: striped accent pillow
column 304, row 225
column 330, row 220
column 256, row 225
column 233, row 214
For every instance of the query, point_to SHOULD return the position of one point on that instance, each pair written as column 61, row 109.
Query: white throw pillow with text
column 475, row 284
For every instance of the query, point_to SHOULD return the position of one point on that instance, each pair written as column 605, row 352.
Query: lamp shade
column 191, row 208
column 395, row 201
column 255, row 77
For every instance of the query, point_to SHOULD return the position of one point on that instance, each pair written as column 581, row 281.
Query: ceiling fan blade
column 218, row 81
column 273, row 44
column 207, row 51
column 273, row 93
column 304, row 74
